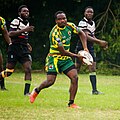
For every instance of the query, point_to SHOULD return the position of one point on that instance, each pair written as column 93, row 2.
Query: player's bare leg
column 27, row 69
column 9, row 70
column 45, row 84
column 72, row 74
column 93, row 80
column 2, row 82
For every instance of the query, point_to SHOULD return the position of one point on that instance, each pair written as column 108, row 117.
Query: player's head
column 23, row 11
column 89, row 12
column 60, row 19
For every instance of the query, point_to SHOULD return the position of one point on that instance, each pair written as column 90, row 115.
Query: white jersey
column 84, row 24
column 19, row 24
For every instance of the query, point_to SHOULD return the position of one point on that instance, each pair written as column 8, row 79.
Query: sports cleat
column 33, row 96
column 96, row 92
column 73, row 106
column 4, row 89
column 27, row 94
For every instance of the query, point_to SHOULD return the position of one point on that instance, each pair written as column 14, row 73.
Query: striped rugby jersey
column 84, row 24
column 19, row 24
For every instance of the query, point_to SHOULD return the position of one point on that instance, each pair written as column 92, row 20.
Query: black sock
column 27, row 88
column 93, row 82
column 2, row 83
column 37, row 91
column 70, row 102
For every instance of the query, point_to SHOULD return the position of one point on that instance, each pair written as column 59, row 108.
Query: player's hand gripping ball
column 87, row 58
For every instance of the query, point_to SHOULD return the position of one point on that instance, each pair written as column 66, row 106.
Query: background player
column 19, row 50
column 88, row 26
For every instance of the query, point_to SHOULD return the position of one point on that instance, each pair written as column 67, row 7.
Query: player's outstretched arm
column 102, row 43
column 68, row 53
column 65, row 52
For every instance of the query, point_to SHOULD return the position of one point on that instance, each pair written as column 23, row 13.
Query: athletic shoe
column 73, row 106
column 33, row 96
column 27, row 94
column 4, row 89
column 95, row 92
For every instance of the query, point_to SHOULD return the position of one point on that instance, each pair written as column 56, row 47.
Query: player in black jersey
column 88, row 26
column 19, row 50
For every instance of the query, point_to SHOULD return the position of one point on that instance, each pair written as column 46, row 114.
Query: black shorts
column 18, row 52
column 90, row 48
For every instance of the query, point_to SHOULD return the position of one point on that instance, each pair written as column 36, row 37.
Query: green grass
column 51, row 104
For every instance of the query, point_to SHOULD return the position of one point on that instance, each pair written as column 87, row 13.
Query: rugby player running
column 59, row 58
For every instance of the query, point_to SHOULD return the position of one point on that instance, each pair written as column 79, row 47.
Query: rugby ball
column 87, row 58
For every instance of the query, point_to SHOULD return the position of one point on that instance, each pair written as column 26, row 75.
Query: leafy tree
column 108, row 24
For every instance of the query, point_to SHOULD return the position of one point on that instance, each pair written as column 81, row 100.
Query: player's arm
column 6, row 36
column 13, row 32
column 83, row 39
column 59, row 45
column 81, row 35
column 67, row 53
column 102, row 43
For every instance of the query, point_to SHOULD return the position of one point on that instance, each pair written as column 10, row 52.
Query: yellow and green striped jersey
column 62, row 36
column 2, row 23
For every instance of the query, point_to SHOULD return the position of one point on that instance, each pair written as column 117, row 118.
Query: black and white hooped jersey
column 19, row 24
column 84, row 24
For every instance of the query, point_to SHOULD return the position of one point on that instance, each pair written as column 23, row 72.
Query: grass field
column 51, row 104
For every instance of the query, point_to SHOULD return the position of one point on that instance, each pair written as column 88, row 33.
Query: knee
column 27, row 70
column 92, row 69
column 74, row 79
column 51, row 81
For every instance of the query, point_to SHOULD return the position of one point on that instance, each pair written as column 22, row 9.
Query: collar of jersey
column 85, row 19
column 61, row 28
column 20, row 18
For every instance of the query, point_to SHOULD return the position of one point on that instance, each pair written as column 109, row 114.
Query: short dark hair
column 88, row 7
column 58, row 12
column 22, row 6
